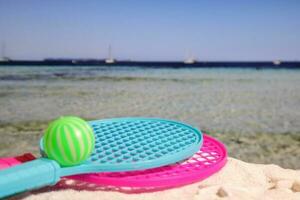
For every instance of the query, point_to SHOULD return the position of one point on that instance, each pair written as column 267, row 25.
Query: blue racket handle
column 31, row 175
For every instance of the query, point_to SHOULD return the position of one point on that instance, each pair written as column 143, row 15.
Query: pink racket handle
column 11, row 161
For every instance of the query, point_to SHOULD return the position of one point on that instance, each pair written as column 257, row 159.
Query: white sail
column 110, row 58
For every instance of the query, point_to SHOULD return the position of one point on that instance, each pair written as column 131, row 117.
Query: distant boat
column 276, row 62
column 190, row 60
column 110, row 59
column 3, row 57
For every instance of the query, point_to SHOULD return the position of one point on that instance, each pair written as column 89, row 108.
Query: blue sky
column 151, row 30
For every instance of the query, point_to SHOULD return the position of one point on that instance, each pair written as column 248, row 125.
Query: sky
column 151, row 30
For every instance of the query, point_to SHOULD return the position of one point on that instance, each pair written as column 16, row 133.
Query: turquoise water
column 226, row 100
column 27, row 73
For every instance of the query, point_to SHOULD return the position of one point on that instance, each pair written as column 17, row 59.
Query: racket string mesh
column 131, row 142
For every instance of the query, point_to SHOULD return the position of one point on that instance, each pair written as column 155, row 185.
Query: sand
column 237, row 180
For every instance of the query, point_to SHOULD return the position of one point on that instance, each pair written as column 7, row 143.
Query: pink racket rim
column 11, row 161
column 208, row 160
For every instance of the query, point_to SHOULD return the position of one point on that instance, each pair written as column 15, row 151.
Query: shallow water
column 226, row 100
column 236, row 105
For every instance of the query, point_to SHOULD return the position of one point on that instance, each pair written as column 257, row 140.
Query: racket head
column 211, row 157
column 126, row 144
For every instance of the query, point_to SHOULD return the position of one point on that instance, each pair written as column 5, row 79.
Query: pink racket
column 208, row 160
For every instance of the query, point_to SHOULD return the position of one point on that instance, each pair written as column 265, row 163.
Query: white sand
column 237, row 180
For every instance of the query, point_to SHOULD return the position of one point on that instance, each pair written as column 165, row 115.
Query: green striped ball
column 69, row 140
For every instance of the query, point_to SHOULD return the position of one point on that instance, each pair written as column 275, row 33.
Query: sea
column 223, row 99
column 255, row 113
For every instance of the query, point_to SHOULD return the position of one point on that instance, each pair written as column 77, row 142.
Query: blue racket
column 122, row 144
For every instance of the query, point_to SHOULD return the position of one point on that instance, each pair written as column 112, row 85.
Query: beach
column 255, row 113
column 229, row 72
